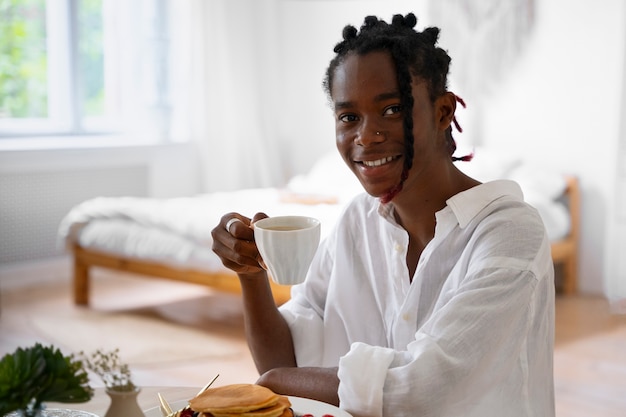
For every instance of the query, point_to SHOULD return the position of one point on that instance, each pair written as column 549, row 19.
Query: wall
column 38, row 187
column 561, row 106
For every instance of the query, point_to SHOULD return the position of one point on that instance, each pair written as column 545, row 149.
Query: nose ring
column 377, row 133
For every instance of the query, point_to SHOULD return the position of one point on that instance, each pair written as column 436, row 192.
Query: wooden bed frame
column 85, row 259
column 564, row 252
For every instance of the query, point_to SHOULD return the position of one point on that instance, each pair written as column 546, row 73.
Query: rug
column 141, row 340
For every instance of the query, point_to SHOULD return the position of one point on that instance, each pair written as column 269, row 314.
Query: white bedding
column 177, row 231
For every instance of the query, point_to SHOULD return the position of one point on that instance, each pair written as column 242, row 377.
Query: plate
column 316, row 408
column 300, row 407
column 59, row 412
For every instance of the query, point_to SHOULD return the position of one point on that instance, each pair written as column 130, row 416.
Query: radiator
column 32, row 205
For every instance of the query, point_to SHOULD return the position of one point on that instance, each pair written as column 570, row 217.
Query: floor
column 195, row 308
column 589, row 359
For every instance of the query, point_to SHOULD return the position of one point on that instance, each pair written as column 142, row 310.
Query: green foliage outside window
column 23, row 59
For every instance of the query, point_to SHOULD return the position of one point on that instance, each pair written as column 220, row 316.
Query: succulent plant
column 32, row 376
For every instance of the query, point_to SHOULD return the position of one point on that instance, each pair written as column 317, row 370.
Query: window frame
column 65, row 118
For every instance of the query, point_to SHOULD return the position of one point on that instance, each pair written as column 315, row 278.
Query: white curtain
column 484, row 37
column 615, row 274
column 222, row 88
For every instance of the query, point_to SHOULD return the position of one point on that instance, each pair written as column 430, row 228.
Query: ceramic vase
column 123, row 404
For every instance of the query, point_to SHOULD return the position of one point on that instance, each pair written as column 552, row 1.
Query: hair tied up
column 349, row 33
column 409, row 21
column 370, row 22
column 431, row 34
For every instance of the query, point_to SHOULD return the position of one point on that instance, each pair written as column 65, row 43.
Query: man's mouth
column 378, row 162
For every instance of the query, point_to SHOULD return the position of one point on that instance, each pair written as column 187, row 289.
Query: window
column 79, row 67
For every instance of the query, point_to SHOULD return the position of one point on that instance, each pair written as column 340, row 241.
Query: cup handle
column 259, row 259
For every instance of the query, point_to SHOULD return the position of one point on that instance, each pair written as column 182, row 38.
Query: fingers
column 258, row 258
column 233, row 243
column 236, row 261
column 238, row 226
column 231, row 222
column 258, row 217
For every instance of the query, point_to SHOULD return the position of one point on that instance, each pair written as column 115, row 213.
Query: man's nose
column 370, row 135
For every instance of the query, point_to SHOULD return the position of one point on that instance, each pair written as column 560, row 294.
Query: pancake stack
column 245, row 400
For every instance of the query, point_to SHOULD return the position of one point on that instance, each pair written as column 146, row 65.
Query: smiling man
column 434, row 294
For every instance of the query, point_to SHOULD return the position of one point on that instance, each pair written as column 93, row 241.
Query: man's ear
column 445, row 106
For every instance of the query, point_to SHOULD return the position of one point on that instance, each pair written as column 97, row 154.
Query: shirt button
column 406, row 317
column 398, row 247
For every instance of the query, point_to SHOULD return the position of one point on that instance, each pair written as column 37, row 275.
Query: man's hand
column 233, row 243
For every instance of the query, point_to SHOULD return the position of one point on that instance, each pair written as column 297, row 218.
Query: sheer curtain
column 484, row 39
column 222, row 90
column 615, row 274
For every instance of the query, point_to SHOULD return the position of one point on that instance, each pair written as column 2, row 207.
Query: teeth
column 378, row 162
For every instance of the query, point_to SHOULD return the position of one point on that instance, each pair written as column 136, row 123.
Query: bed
column 170, row 238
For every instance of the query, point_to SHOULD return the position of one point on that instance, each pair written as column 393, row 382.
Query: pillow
column 539, row 180
column 329, row 176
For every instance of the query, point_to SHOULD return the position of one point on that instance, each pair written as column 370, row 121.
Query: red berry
column 187, row 412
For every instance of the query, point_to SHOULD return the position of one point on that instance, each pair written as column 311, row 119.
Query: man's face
column 369, row 123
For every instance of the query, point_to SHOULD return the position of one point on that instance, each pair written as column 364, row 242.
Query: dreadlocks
column 415, row 54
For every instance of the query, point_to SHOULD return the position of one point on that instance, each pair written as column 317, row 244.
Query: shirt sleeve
column 367, row 397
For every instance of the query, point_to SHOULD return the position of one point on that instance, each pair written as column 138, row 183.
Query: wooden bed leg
column 81, row 283
column 569, row 276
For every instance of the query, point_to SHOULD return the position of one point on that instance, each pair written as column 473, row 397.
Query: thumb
column 258, row 217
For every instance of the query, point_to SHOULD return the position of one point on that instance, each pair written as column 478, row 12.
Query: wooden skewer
column 167, row 410
column 206, row 387
column 165, row 407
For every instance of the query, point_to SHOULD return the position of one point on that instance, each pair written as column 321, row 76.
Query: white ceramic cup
column 287, row 245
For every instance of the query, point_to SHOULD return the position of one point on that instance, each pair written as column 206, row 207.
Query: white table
column 147, row 399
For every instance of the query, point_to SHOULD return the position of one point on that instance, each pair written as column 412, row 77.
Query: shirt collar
column 467, row 204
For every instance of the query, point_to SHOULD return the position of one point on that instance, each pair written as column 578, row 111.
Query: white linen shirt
column 470, row 335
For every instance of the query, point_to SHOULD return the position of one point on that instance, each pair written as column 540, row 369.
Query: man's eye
column 396, row 108
column 348, row 118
